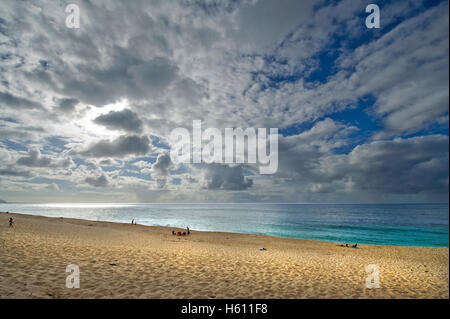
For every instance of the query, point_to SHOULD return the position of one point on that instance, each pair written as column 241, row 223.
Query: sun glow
column 93, row 131
column 95, row 112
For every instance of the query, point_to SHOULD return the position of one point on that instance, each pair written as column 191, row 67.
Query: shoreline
column 169, row 228
column 119, row 260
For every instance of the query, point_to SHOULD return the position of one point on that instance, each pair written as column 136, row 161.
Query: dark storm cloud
column 15, row 130
column 35, row 159
column 266, row 22
column 160, row 169
column 218, row 176
column 100, row 181
column 304, row 157
column 9, row 100
column 400, row 166
column 162, row 165
column 127, row 76
column 154, row 75
column 15, row 172
column 120, row 147
column 67, row 104
column 14, row 133
column 122, row 120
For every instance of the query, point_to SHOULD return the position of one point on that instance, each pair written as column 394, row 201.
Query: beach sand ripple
column 134, row 261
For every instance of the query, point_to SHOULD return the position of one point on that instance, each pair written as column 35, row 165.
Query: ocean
column 377, row 224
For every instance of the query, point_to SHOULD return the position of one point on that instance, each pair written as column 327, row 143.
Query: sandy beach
column 134, row 261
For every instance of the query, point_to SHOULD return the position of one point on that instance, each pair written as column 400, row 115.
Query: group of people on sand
column 346, row 245
column 187, row 232
column 133, row 222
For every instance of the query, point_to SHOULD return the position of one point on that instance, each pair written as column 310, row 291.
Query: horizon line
column 228, row 203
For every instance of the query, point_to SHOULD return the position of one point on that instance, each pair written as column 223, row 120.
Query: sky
column 86, row 113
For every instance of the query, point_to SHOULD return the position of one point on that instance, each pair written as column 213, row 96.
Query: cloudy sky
column 85, row 114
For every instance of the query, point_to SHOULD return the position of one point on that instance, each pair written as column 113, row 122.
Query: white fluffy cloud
column 93, row 107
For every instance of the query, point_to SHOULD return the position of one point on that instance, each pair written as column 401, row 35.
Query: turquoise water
column 380, row 224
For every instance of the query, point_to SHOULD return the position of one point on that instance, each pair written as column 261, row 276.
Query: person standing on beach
column 11, row 222
column 188, row 231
